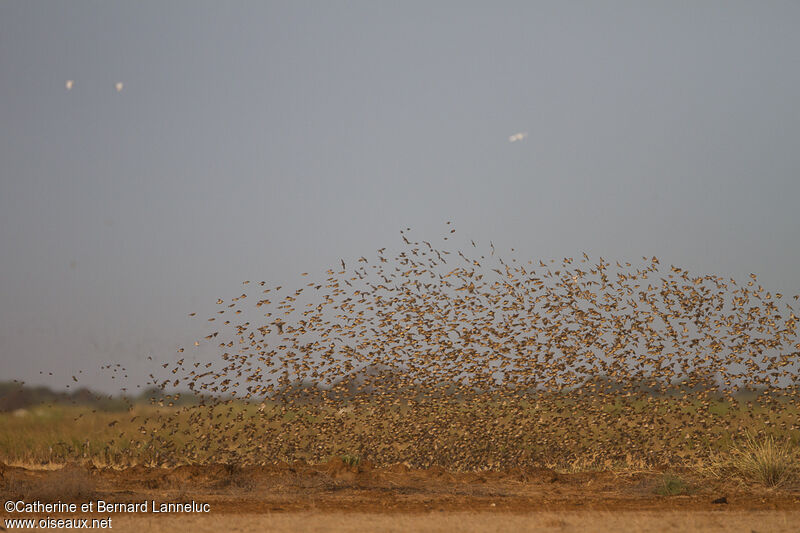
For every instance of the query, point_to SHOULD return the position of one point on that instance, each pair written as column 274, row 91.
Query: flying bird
column 521, row 136
column 119, row 86
column 69, row 84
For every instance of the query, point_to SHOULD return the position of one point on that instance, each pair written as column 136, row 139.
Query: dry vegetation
column 758, row 459
column 60, row 434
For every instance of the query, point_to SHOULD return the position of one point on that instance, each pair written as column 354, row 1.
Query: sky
column 258, row 140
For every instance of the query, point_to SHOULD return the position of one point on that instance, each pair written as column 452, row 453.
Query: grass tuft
column 762, row 460
column 671, row 485
column 351, row 460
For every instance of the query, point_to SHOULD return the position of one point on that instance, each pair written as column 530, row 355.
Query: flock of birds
column 470, row 361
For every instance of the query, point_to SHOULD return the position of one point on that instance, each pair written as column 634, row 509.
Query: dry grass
column 58, row 435
column 758, row 459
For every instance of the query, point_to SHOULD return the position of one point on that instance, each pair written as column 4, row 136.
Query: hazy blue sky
column 258, row 140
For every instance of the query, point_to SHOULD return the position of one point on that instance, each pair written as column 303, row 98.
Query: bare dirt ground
column 338, row 497
column 562, row 522
column 566, row 521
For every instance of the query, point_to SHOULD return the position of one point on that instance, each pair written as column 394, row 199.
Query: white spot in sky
column 518, row 137
column 119, row 86
column 70, row 83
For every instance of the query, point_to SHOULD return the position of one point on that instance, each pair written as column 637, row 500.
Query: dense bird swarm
column 468, row 361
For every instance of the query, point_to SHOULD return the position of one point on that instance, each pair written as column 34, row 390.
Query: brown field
column 352, row 493
column 478, row 435
column 338, row 497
